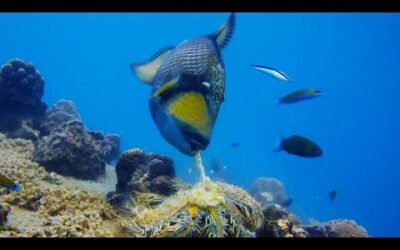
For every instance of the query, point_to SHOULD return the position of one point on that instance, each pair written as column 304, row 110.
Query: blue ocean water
column 353, row 58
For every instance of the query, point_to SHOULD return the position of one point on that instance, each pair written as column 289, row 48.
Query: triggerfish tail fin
column 224, row 34
column 146, row 71
column 278, row 143
column 16, row 188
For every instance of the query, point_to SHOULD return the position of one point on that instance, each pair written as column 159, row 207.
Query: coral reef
column 62, row 111
column 21, row 91
column 207, row 210
column 45, row 209
column 71, row 151
column 336, row 229
column 279, row 222
column 269, row 191
column 52, row 205
column 138, row 171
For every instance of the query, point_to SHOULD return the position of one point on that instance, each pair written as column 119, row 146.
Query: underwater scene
column 199, row 125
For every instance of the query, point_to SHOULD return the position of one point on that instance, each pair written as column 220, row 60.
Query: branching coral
column 207, row 210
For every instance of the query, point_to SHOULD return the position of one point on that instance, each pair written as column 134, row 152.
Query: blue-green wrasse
column 8, row 183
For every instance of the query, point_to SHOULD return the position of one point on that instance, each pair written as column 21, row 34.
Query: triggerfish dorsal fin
column 224, row 34
column 146, row 71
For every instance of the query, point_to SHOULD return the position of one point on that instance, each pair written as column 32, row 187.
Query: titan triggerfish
column 188, row 84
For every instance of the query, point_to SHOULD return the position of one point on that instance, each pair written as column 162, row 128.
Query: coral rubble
column 269, row 191
column 21, row 107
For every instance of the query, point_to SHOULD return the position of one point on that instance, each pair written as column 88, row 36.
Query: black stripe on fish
column 272, row 69
column 187, row 83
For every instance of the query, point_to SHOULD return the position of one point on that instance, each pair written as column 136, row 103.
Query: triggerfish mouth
column 188, row 84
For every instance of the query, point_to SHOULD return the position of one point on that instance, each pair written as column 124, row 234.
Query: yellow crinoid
column 209, row 209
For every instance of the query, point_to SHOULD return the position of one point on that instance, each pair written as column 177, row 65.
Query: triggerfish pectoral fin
column 146, row 71
column 224, row 34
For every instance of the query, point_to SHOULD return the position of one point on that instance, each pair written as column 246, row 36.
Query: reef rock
column 71, row 150
column 65, row 111
column 21, row 91
column 269, row 191
column 110, row 143
column 336, row 229
column 60, row 112
column 279, row 222
column 142, row 172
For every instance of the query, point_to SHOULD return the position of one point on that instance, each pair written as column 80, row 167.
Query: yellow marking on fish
column 191, row 108
column 169, row 85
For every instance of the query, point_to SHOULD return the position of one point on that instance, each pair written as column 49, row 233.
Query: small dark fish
column 272, row 72
column 300, row 95
column 235, row 144
column 217, row 166
column 300, row 146
column 8, row 183
column 332, row 194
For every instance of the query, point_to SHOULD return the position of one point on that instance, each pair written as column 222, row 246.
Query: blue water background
column 353, row 58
